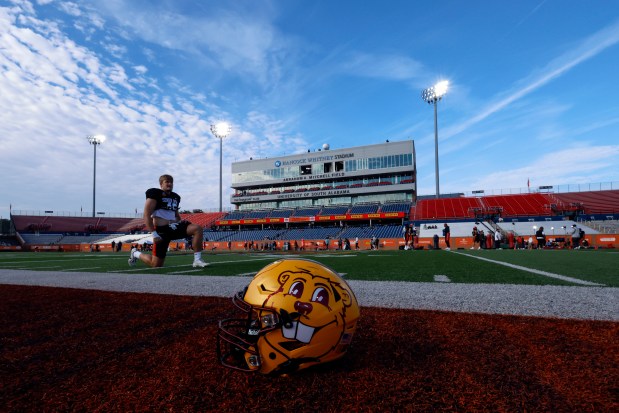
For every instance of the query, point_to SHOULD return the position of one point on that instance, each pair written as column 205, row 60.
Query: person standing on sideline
column 541, row 238
column 575, row 237
column 447, row 236
column 162, row 218
column 475, row 234
column 498, row 237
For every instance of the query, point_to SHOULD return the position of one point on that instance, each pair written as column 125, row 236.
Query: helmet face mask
column 298, row 313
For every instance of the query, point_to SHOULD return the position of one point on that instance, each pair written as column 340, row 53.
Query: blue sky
column 534, row 89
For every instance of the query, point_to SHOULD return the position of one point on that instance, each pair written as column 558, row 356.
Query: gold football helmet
column 299, row 313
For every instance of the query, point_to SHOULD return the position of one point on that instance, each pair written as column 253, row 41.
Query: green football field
column 546, row 267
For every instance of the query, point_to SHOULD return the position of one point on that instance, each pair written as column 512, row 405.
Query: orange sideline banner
column 318, row 218
column 596, row 241
column 10, row 248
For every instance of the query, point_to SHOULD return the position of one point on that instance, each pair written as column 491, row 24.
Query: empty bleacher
column 310, row 233
column 81, row 239
column 608, row 226
column 334, row 210
column 445, row 208
column 364, row 209
column 133, row 225
column 234, row 215
column 257, row 214
column 396, row 207
column 57, row 223
column 218, row 235
column 594, row 202
column 44, row 239
column 378, row 231
column 281, row 213
column 204, row 219
column 256, row 235
column 535, row 204
column 306, row 212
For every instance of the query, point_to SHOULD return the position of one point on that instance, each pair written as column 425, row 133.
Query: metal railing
column 547, row 189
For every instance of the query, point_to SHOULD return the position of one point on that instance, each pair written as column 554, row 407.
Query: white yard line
column 531, row 270
column 186, row 272
column 60, row 260
column 441, row 278
column 143, row 268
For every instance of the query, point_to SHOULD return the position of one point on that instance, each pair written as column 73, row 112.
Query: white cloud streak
column 587, row 49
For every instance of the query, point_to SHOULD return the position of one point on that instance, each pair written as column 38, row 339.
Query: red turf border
column 83, row 350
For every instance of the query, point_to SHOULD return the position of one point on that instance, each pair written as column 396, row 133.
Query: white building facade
column 378, row 173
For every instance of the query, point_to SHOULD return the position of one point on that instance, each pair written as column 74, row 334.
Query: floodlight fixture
column 95, row 140
column 435, row 93
column 432, row 95
column 221, row 130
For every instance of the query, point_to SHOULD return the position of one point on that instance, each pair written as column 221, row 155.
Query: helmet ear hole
column 346, row 299
column 272, row 356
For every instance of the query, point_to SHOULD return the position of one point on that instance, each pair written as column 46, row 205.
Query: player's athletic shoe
column 132, row 260
column 200, row 264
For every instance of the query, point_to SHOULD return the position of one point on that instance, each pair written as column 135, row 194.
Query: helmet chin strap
column 292, row 365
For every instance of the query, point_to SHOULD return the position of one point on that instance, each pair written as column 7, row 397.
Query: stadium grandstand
column 328, row 197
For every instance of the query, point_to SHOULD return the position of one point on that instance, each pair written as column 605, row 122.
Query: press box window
column 339, row 166
column 327, row 167
column 305, row 169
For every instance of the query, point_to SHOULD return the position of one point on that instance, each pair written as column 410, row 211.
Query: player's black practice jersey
column 169, row 202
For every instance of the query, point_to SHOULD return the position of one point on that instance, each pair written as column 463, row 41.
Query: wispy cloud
column 390, row 67
column 585, row 50
column 240, row 42
column 55, row 92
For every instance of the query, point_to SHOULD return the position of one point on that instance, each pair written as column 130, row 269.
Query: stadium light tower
column 432, row 95
column 221, row 130
column 95, row 140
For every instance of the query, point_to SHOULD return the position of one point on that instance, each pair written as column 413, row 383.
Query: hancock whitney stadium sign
column 314, row 159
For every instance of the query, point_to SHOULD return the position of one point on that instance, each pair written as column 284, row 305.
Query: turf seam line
column 531, row 270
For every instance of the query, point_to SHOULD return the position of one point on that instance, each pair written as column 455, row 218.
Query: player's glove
column 156, row 237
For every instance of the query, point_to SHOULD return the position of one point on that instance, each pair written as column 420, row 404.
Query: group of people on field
column 481, row 240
